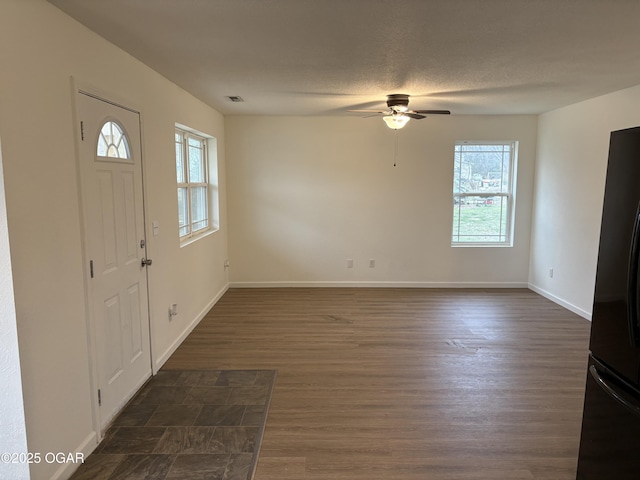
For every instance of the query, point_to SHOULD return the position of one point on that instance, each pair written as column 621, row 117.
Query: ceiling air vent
column 235, row 99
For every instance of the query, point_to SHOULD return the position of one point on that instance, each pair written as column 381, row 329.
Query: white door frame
column 82, row 88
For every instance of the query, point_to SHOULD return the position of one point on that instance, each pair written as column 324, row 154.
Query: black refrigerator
column 610, row 439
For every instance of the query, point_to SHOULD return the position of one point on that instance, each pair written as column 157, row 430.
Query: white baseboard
column 563, row 303
column 87, row 446
column 160, row 361
column 350, row 284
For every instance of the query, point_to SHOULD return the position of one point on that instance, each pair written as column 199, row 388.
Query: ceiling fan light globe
column 395, row 122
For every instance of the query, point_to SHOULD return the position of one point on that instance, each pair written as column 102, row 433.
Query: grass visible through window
column 482, row 222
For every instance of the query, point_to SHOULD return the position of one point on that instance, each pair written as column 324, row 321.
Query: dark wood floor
column 384, row 384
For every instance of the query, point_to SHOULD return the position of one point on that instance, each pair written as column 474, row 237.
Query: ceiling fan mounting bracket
column 397, row 100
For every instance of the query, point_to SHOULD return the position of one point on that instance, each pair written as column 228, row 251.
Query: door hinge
column 91, row 267
column 99, row 398
column 82, row 131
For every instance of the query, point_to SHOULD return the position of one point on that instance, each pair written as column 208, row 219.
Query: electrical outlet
column 551, row 272
column 372, row 263
column 349, row 262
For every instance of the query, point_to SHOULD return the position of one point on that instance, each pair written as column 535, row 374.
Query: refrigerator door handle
column 612, row 391
column 632, row 283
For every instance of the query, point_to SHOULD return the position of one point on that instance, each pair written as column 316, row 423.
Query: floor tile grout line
column 175, row 457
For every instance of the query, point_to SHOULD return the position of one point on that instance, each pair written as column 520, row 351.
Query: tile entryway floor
column 187, row 424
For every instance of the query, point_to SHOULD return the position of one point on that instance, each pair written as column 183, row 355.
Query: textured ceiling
column 323, row 57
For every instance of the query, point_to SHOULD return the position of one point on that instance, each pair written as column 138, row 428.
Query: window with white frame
column 192, row 173
column 483, row 193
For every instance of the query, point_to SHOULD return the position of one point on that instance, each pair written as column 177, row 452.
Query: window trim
column 193, row 235
column 510, row 196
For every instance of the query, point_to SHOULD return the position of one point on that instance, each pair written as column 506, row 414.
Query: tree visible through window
column 483, row 194
column 193, row 183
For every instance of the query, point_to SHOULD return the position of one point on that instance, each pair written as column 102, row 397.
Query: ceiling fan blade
column 381, row 112
column 433, row 112
column 414, row 115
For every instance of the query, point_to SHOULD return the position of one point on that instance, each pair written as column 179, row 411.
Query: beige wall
column 573, row 146
column 306, row 193
column 41, row 49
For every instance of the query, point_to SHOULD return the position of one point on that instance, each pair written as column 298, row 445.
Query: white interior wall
column 41, row 49
column 307, row 193
column 13, row 436
column 573, row 146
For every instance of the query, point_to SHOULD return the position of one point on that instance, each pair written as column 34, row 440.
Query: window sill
column 482, row 245
column 198, row 236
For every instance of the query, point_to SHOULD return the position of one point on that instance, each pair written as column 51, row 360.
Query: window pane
column 122, row 150
column 199, row 209
column 196, row 164
column 506, row 173
column 102, row 146
column 115, row 133
column 183, row 212
column 112, row 142
column 200, row 225
column 179, row 164
column 481, row 168
column 479, row 219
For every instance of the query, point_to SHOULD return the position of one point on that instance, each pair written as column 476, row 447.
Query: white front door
column 113, row 213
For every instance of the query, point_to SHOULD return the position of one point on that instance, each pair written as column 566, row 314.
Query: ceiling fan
column 398, row 113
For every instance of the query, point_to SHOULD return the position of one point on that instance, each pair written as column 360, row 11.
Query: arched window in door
column 112, row 142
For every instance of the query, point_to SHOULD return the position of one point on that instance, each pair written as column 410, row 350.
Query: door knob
column 146, row 262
